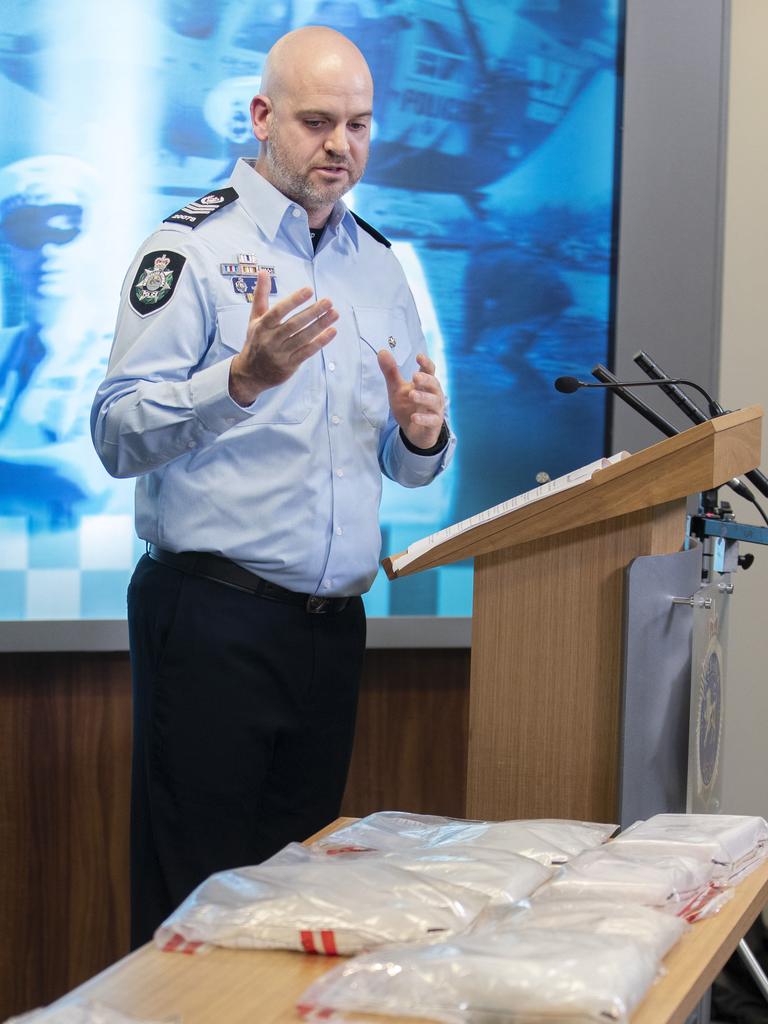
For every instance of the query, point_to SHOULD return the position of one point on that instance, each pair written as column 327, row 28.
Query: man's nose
column 337, row 141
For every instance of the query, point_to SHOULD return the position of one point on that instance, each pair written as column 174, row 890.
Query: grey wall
column 670, row 231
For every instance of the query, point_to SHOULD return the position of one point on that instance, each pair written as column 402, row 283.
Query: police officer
column 268, row 367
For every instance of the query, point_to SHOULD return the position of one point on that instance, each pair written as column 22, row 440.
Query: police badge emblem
column 244, row 274
column 155, row 281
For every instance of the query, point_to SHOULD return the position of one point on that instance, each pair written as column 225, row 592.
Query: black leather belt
column 222, row 570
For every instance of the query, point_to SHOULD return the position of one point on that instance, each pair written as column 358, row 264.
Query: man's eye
column 313, row 124
column 356, row 126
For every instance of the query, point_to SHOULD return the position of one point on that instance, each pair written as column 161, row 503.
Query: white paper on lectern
column 561, row 483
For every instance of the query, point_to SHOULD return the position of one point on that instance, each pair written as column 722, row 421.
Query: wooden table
column 263, row 986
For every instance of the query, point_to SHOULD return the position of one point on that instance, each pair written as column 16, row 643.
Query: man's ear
column 261, row 111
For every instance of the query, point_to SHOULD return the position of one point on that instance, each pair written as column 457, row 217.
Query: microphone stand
column 604, row 375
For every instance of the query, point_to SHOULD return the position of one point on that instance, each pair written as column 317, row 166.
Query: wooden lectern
column 545, row 684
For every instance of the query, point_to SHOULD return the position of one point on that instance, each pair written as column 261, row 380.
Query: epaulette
column 372, row 231
column 196, row 212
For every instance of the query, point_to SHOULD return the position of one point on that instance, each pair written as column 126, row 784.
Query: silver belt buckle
column 317, row 605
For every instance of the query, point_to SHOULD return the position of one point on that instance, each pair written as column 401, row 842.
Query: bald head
column 313, row 55
column 313, row 118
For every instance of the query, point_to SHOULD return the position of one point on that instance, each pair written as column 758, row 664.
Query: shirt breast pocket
column 289, row 402
column 379, row 328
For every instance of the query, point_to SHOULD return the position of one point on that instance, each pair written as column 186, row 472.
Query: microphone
column 604, row 374
column 694, row 413
column 567, row 385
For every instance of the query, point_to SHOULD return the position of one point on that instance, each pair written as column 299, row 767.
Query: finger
column 388, row 367
column 426, row 398
column 260, row 301
column 303, row 352
column 426, row 419
column 425, row 363
column 282, row 308
column 427, row 382
column 295, row 340
column 318, row 310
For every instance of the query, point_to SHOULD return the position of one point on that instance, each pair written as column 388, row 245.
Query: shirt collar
column 269, row 207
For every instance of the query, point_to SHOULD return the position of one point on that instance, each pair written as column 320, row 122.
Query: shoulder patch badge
column 196, row 212
column 155, row 281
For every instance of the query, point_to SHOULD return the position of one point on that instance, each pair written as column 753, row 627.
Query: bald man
column 268, row 366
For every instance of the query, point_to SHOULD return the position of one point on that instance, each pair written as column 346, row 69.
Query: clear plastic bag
column 319, row 905
column 531, row 975
column 648, row 926
column 630, row 875
column 734, row 843
column 500, row 876
column 549, row 841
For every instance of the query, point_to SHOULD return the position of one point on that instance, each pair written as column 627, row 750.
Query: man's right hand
column 275, row 347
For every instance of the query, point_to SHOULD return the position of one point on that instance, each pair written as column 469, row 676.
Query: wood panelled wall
column 65, row 729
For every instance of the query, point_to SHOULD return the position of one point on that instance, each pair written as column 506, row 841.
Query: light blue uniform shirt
column 290, row 486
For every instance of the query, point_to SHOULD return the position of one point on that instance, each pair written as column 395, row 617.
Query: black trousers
column 243, row 717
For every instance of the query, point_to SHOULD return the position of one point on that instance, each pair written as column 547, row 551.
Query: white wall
column 743, row 381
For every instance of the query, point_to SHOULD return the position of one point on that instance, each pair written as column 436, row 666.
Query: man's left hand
column 418, row 405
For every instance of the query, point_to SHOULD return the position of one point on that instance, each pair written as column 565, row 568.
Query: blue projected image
column 491, row 170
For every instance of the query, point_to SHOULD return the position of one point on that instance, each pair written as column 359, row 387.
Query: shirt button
column 190, row 444
column 339, row 472
column 335, row 420
column 326, row 584
column 295, row 212
column 339, row 531
column 331, row 367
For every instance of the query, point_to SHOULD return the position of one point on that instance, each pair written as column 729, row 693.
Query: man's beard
column 297, row 185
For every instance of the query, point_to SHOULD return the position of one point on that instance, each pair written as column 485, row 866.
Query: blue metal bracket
column 705, row 526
